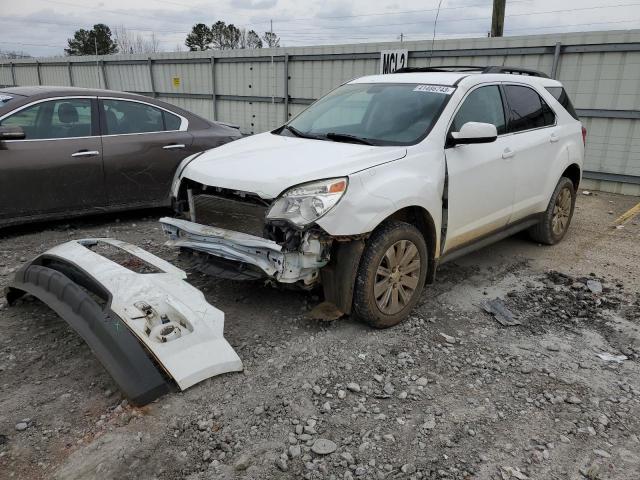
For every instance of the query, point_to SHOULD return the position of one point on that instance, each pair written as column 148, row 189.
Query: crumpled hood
column 268, row 164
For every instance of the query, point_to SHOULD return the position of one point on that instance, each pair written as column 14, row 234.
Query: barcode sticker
column 434, row 89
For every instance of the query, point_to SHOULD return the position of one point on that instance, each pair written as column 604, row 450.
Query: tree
column 132, row 42
column 232, row 37
column 200, row 38
column 225, row 37
column 92, row 42
column 252, row 39
column 271, row 39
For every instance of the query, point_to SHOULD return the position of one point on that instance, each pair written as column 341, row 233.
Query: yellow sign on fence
column 176, row 81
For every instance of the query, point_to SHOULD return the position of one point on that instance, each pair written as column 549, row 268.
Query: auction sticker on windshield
column 434, row 89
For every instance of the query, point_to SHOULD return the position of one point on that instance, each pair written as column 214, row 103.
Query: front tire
column 556, row 219
column 391, row 274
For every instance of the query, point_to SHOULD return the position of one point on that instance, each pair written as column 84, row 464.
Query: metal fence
column 261, row 89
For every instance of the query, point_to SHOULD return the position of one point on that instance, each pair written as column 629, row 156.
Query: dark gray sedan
column 70, row 151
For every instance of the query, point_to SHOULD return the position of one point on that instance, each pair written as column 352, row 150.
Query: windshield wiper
column 346, row 137
column 298, row 133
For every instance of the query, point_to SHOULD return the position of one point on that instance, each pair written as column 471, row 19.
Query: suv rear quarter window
column 527, row 109
column 560, row 94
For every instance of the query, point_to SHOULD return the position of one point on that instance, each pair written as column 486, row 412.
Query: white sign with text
column 392, row 60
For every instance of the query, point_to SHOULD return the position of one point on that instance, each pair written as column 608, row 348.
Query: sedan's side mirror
column 11, row 133
column 474, row 132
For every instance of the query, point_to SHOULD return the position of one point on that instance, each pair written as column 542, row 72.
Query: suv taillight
column 584, row 136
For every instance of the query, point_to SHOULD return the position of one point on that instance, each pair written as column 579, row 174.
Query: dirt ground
column 451, row 393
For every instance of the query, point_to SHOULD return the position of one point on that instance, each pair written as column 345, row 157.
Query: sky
column 41, row 27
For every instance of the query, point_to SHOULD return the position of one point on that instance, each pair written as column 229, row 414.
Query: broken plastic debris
column 586, row 192
column 499, row 310
column 609, row 357
column 595, row 286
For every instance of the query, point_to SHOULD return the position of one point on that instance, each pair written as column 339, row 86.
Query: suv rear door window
column 561, row 95
column 482, row 105
column 527, row 110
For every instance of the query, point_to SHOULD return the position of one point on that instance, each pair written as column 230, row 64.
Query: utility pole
column 401, row 37
column 497, row 19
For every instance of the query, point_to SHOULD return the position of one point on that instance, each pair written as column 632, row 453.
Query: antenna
column 435, row 24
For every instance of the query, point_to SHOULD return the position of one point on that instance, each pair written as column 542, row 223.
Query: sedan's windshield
column 378, row 114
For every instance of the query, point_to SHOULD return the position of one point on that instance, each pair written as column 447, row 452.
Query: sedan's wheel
column 391, row 274
column 556, row 219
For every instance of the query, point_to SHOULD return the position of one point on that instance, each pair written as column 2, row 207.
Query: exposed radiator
column 230, row 214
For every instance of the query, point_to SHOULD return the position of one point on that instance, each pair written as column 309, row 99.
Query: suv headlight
column 306, row 203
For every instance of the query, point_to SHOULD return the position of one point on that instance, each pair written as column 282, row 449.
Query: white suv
column 374, row 185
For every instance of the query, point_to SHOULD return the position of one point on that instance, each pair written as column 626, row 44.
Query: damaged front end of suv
column 242, row 236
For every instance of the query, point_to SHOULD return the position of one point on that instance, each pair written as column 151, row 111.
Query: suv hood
column 267, row 164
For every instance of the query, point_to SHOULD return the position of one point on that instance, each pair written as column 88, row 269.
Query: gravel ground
column 451, row 393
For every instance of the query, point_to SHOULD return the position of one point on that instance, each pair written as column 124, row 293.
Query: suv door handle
column 554, row 138
column 85, row 153
column 173, row 146
column 508, row 153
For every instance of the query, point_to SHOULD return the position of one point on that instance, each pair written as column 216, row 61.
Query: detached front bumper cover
column 142, row 327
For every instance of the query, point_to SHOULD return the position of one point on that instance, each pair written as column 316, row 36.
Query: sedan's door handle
column 554, row 138
column 173, row 146
column 508, row 153
column 86, row 153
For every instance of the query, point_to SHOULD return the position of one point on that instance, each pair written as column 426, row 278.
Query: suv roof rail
column 516, row 71
column 476, row 68
column 441, row 68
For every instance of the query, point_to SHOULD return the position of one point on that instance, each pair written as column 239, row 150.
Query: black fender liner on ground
column 113, row 344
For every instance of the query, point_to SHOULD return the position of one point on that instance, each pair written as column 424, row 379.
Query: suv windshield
column 378, row 114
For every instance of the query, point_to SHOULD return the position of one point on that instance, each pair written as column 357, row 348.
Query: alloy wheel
column 397, row 277
column 561, row 212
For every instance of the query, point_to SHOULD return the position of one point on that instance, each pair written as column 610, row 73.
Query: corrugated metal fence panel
column 5, row 74
column 596, row 80
column 54, row 74
column 613, row 146
column 182, row 78
column 26, row 75
column 131, row 78
column 262, row 79
column 87, row 76
column 253, row 117
column 312, row 79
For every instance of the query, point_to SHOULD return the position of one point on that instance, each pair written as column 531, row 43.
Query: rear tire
column 556, row 219
column 391, row 274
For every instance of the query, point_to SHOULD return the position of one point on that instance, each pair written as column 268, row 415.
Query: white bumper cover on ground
column 169, row 316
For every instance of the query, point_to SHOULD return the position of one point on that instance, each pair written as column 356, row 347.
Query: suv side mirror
column 473, row 132
column 11, row 133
